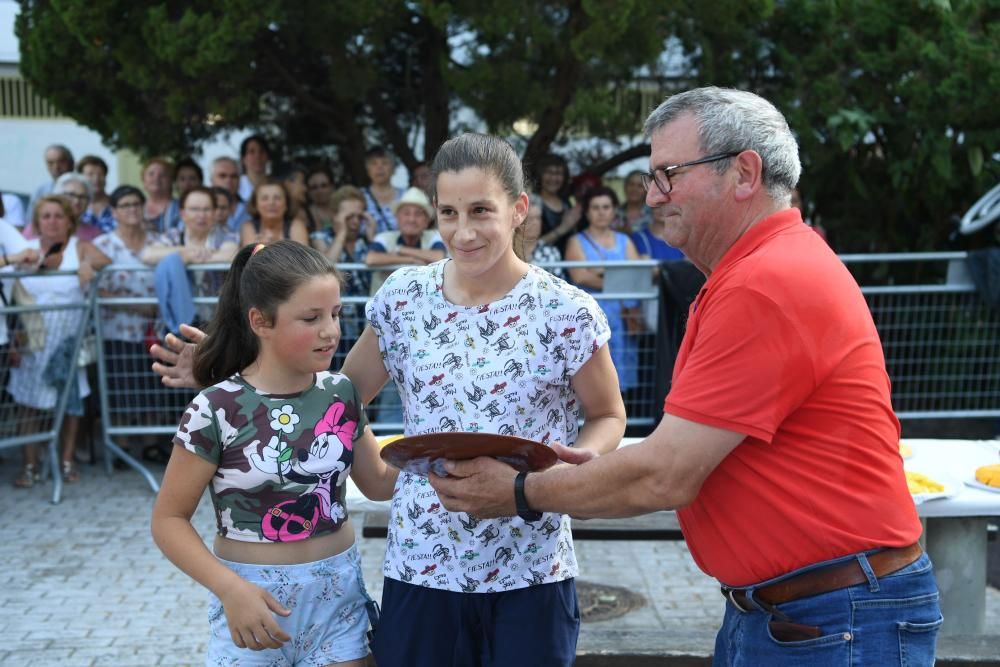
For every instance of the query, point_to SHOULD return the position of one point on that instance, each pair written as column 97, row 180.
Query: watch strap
column 520, row 502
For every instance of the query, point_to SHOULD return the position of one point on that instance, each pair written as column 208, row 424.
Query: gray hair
column 225, row 158
column 735, row 120
column 73, row 177
column 481, row 151
column 67, row 154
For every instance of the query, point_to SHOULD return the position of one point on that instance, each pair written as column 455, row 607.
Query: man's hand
column 483, row 487
column 175, row 362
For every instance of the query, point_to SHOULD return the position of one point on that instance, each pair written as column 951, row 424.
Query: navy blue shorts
column 528, row 627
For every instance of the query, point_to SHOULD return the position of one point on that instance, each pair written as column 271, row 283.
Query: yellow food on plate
column 390, row 438
column 905, row 451
column 989, row 475
column 921, row 483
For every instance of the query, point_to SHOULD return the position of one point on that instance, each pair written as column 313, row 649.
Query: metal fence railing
column 941, row 342
column 42, row 382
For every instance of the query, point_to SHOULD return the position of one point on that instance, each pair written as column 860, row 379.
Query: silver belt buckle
column 732, row 598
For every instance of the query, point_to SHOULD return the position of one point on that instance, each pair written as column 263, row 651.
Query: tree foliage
column 893, row 101
column 894, row 104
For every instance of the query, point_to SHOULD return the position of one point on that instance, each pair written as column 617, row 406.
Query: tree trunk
column 565, row 82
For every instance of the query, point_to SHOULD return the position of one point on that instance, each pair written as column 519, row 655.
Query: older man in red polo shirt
column 778, row 445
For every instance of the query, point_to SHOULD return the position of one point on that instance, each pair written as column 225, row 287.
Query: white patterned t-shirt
column 503, row 367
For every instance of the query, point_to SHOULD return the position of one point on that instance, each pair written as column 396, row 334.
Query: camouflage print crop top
column 282, row 459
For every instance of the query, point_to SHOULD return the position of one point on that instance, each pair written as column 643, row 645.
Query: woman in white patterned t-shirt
column 483, row 341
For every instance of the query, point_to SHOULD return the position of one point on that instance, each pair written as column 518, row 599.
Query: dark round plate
column 427, row 452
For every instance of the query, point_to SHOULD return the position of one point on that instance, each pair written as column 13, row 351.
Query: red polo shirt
column 781, row 346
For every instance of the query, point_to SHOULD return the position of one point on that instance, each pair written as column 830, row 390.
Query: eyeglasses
column 661, row 175
column 129, row 205
column 78, row 197
column 199, row 210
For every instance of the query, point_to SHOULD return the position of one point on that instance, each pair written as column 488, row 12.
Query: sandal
column 69, row 472
column 29, row 475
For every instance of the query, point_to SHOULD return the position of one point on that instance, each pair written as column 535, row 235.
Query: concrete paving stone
column 74, row 661
column 17, row 644
column 64, row 634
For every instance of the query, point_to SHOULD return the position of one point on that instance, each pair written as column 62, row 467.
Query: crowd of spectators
column 175, row 219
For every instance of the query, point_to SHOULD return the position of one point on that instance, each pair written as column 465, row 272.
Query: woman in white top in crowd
column 43, row 369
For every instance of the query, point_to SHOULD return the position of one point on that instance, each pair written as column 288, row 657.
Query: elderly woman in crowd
column 98, row 213
column 201, row 240
column 46, row 365
column 77, row 190
column 124, row 328
column 271, row 217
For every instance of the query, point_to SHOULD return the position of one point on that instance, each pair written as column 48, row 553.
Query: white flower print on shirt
column 275, row 458
column 284, row 419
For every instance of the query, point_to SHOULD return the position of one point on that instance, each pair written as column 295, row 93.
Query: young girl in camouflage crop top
column 274, row 436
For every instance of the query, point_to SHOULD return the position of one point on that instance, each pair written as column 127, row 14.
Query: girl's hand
column 250, row 613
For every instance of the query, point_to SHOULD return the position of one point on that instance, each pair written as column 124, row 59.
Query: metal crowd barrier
column 941, row 340
column 942, row 347
column 39, row 355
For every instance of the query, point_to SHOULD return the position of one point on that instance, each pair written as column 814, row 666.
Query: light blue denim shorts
column 328, row 620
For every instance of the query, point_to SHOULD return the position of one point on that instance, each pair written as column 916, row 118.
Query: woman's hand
column 192, row 255
column 25, row 258
column 250, row 613
column 51, row 262
column 368, row 226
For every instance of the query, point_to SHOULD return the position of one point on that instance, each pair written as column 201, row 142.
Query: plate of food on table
column 987, row 478
column 926, row 486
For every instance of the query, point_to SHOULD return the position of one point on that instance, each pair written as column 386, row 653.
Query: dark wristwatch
column 521, row 502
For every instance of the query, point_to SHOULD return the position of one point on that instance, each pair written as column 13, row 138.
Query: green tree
column 161, row 77
column 892, row 101
column 894, row 104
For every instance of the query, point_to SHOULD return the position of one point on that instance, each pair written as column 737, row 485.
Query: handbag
column 88, row 351
column 30, row 332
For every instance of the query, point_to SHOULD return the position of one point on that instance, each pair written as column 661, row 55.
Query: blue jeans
column 892, row 620
column 173, row 291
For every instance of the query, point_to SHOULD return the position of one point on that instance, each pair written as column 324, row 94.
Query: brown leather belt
column 826, row 579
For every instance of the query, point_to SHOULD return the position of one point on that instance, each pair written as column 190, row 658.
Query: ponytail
column 231, row 345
